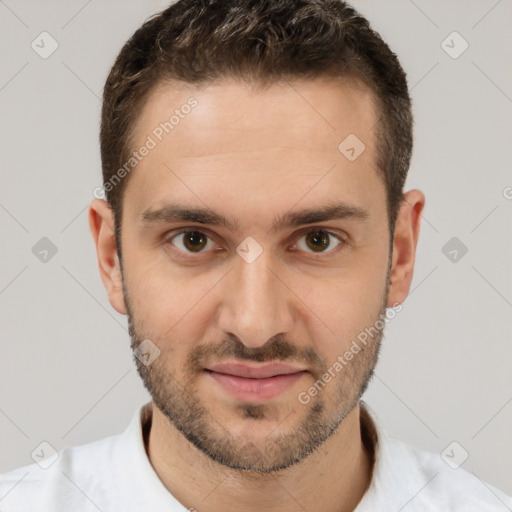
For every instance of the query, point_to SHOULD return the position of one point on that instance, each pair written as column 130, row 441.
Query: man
column 255, row 230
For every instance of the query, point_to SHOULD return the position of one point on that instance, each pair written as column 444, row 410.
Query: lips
column 254, row 372
column 255, row 383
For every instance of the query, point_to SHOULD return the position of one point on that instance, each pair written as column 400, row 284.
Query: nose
column 256, row 303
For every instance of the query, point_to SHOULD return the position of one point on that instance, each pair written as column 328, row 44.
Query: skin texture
column 253, row 155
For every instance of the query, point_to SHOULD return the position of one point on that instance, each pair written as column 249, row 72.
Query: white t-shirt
column 115, row 475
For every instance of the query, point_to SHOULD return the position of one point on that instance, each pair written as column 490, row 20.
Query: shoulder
column 411, row 479
column 431, row 483
column 65, row 478
column 451, row 487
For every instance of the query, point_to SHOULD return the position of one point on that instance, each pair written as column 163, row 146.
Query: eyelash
column 342, row 241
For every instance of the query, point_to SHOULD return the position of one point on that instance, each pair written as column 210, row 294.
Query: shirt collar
column 397, row 477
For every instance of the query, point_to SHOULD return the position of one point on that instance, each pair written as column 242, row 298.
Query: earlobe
column 101, row 224
column 405, row 241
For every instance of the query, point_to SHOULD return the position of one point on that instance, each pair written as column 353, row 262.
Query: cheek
column 172, row 306
column 340, row 308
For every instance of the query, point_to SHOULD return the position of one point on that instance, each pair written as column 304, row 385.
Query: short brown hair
column 199, row 41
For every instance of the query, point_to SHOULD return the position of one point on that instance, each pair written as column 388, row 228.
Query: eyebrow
column 173, row 212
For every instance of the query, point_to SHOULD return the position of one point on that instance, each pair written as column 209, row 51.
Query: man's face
column 259, row 291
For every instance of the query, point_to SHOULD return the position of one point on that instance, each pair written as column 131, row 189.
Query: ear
column 101, row 223
column 405, row 240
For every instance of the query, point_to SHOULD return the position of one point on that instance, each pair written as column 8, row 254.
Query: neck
column 334, row 478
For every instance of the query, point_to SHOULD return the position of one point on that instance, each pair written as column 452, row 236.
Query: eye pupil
column 194, row 240
column 320, row 240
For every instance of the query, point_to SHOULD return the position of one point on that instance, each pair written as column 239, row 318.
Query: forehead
column 230, row 138
column 293, row 111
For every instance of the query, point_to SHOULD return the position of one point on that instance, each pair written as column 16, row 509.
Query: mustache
column 277, row 348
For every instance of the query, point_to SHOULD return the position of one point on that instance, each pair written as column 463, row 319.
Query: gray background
column 66, row 372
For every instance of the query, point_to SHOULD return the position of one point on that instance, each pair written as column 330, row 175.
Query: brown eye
column 191, row 241
column 318, row 241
